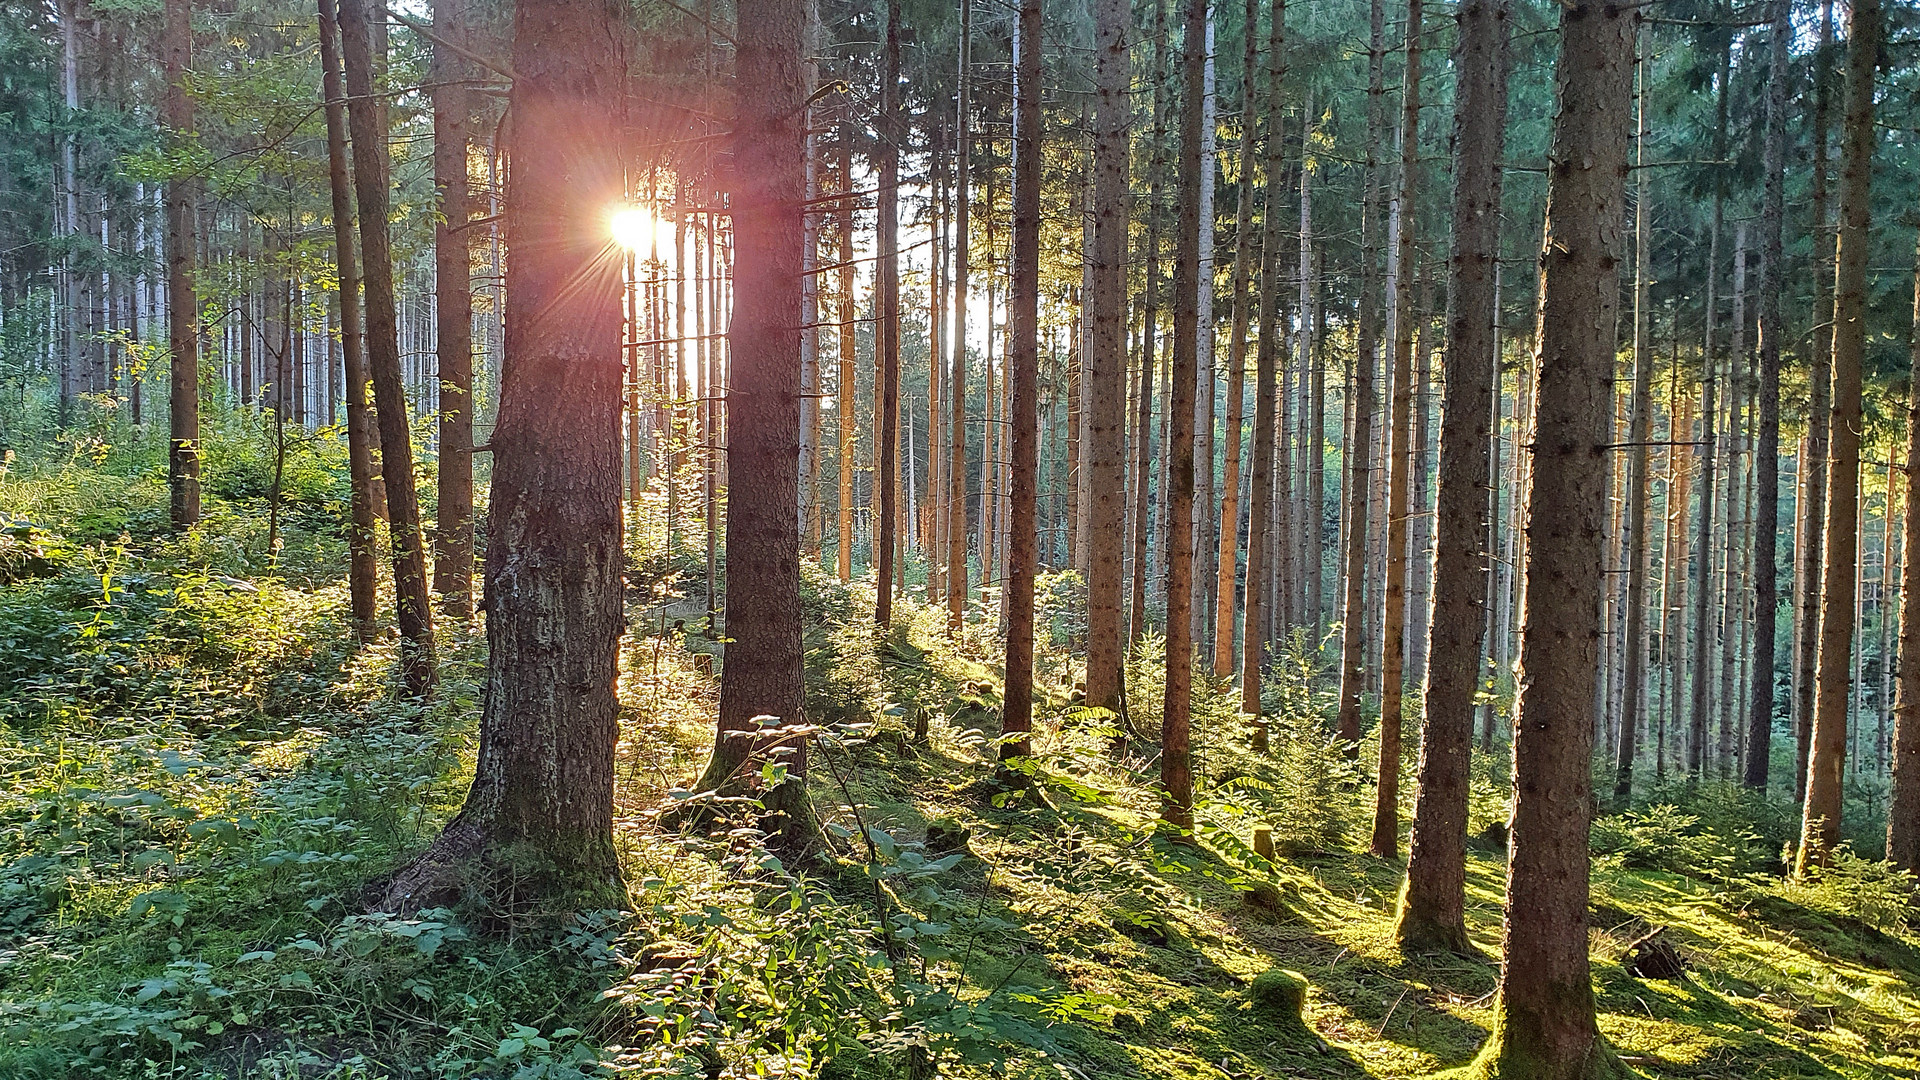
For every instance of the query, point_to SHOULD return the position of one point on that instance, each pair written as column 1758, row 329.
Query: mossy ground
column 203, row 781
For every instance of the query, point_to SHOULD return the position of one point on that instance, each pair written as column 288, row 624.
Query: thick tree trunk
column 183, row 304
column 1386, row 808
column 1104, row 364
column 1903, row 807
column 1639, row 434
column 1544, row 1016
column 540, row 811
column 1433, row 903
column 1358, row 448
column 366, row 119
column 1227, row 559
column 1176, row 767
column 1820, row 829
column 453, row 311
column 1766, row 457
column 1023, row 362
column 362, row 573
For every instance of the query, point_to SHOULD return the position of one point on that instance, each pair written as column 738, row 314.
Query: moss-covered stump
column 1280, row 997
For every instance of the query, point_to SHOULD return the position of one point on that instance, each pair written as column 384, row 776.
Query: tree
column 1386, row 809
column 1023, row 360
column 541, row 806
column 886, row 382
column 183, row 304
column 1432, row 912
column 1226, row 563
column 1640, row 426
column 1820, row 824
column 1269, row 355
column 366, row 119
column 362, row 583
column 1766, row 454
column 453, row 308
column 1104, row 369
column 1903, row 807
column 1544, row 1016
column 957, row 381
column 1176, row 767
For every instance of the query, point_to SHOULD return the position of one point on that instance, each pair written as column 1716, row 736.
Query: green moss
column 1280, row 996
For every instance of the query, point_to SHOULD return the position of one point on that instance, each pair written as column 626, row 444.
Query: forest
column 1337, row 539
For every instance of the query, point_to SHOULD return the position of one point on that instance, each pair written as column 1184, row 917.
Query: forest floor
column 201, row 777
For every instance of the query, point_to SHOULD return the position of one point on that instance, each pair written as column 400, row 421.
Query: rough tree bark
column 1176, row 767
column 1432, row 914
column 1227, row 559
column 183, row 304
column 1544, row 1017
column 1809, row 551
column 362, row 572
column 367, row 121
column 886, row 383
column 1023, row 361
column 453, row 312
column 540, row 812
column 1903, row 807
column 1639, row 426
column 844, row 415
column 1386, row 808
column 1104, row 367
column 1820, row 824
column 957, row 582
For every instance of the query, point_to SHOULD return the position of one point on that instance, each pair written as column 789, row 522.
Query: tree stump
column 1651, row 956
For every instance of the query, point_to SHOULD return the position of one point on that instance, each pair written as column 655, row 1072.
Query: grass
column 200, row 778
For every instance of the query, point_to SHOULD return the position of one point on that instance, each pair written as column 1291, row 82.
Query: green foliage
column 1876, row 893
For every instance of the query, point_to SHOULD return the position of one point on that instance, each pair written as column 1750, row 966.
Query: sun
column 636, row 228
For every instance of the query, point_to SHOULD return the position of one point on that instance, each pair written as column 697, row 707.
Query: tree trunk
column 1176, row 768
column 453, row 311
column 1270, row 353
column 1104, row 364
column 1903, row 808
column 362, row 574
column 366, row 119
column 849, row 358
column 1813, row 465
column 1143, row 456
column 1820, row 830
column 540, row 811
column 1386, row 808
column 1204, row 540
column 1639, row 434
column 183, row 305
column 886, row 383
column 1544, row 1016
column 1023, row 364
column 1766, row 457
column 1358, row 448
column 957, row 583
column 1227, row 559
column 1433, row 904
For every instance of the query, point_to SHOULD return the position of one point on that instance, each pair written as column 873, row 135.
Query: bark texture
column 1104, row 368
column 1766, row 454
column 1023, row 360
column 1433, row 903
column 1544, row 1016
column 183, row 304
column 542, row 796
column 1903, row 808
column 453, row 314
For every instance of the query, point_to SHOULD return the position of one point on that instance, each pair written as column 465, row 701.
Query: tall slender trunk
column 1639, row 434
column 1176, row 768
column 1386, row 808
column 886, row 383
column 1820, row 830
column 1703, row 554
column 1903, row 806
column 1143, row 456
column 1269, row 355
column 1358, row 449
column 183, row 304
column 1810, row 550
column 1544, row 1016
column 1766, row 456
column 849, row 357
column 1204, row 540
column 539, row 815
column 362, row 581
column 1227, row 559
column 1433, row 902
column 453, row 300
column 1104, row 364
column 957, row 381
column 367, row 121
column 1023, row 364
